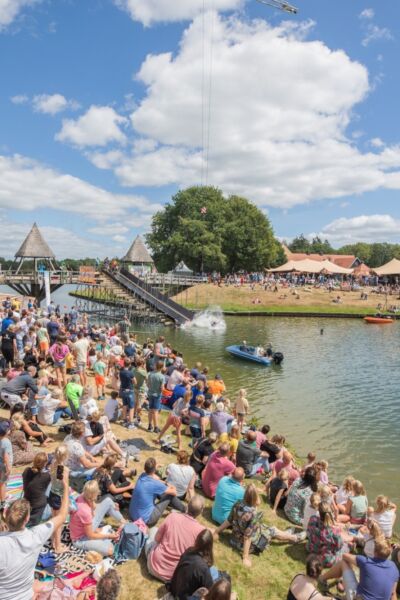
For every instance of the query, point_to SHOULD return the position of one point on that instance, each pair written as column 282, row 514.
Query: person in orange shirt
column 216, row 387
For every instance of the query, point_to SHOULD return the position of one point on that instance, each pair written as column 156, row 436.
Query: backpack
column 130, row 544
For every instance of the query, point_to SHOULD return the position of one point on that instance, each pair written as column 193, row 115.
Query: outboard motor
column 277, row 357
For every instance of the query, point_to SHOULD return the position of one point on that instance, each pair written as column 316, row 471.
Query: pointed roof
column 390, row 268
column 34, row 246
column 182, row 268
column 138, row 253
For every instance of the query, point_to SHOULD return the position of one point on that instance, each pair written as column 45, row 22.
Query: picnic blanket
column 15, row 491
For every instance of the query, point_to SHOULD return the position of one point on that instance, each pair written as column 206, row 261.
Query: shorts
column 154, row 401
column 34, row 409
column 44, row 345
column 141, row 398
column 100, row 380
column 241, row 414
column 60, row 364
column 81, row 366
column 350, row 583
column 128, row 398
column 54, row 501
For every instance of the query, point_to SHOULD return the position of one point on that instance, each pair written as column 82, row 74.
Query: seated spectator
column 80, row 462
column 357, row 504
column 22, row 449
column 113, row 480
column 311, row 508
column 229, row 491
column 262, row 435
column 20, row 547
column 96, row 439
column 148, row 489
column 109, row 585
column 202, row 450
column 247, row 527
column 298, row 495
column 249, row 457
column 343, row 494
column 217, row 466
column 220, row 420
column 305, row 587
column 166, row 544
column 35, row 483
column 195, row 568
column 324, row 538
column 52, row 407
column 384, row 514
column 378, row 576
column 286, row 462
column 29, row 427
column 87, row 403
column 274, row 448
column 220, row 590
column 85, row 521
column 277, row 489
column 182, row 476
column 232, row 438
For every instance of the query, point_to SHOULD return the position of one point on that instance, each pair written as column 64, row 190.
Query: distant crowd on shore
column 58, row 368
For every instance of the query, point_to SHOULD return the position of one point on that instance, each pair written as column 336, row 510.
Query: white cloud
column 19, row 99
column 10, row 9
column 99, row 126
column 377, row 143
column 53, row 103
column 280, row 109
column 27, row 185
column 367, row 13
column 364, row 228
column 374, row 33
column 149, row 12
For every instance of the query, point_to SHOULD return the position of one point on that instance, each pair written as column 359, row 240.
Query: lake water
column 337, row 394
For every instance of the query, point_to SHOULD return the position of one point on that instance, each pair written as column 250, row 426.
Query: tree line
column 373, row 255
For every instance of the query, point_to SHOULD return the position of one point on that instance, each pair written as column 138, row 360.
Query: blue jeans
column 260, row 462
column 128, row 398
column 103, row 508
column 59, row 412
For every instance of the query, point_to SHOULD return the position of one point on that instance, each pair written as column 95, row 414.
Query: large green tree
column 209, row 231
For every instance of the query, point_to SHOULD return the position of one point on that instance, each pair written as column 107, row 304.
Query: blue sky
column 107, row 107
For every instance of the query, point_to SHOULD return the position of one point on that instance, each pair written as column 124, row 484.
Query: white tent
column 391, row 268
column 333, row 269
column 301, row 266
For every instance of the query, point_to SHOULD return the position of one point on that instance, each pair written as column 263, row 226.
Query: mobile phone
column 60, row 472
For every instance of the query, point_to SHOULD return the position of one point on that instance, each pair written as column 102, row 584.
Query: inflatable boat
column 255, row 354
column 379, row 319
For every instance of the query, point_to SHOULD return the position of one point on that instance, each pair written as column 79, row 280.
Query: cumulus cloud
column 367, row 13
column 99, row 126
column 280, row 108
column 19, row 99
column 52, row 103
column 10, row 9
column 364, row 228
column 149, row 12
column 27, row 185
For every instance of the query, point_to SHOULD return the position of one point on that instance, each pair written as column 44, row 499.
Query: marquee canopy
column 391, row 268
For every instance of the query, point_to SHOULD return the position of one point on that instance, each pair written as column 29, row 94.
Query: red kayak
column 379, row 320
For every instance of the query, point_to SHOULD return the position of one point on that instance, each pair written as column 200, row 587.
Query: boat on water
column 379, row 319
column 257, row 354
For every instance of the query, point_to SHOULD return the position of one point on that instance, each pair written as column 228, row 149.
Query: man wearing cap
column 12, row 391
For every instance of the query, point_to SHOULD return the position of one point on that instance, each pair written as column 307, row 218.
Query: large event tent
column 391, row 268
column 308, row 265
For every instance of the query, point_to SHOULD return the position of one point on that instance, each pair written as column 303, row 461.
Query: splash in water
column 211, row 318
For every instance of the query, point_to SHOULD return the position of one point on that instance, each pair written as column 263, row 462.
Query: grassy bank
column 302, row 301
column 270, row 574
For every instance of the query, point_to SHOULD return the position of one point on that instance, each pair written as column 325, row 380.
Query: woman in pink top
column 218, row 465
column 58, row 353
column 85, row 521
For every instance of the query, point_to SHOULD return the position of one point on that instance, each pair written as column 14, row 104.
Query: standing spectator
column 58, row 352
column 155, row 385
column 241, row 408
column 220, row 420
column 80, row 349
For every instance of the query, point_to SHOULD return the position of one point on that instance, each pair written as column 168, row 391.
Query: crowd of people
column 67, row 380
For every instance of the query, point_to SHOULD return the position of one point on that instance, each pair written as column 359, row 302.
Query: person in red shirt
column 218, row 465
